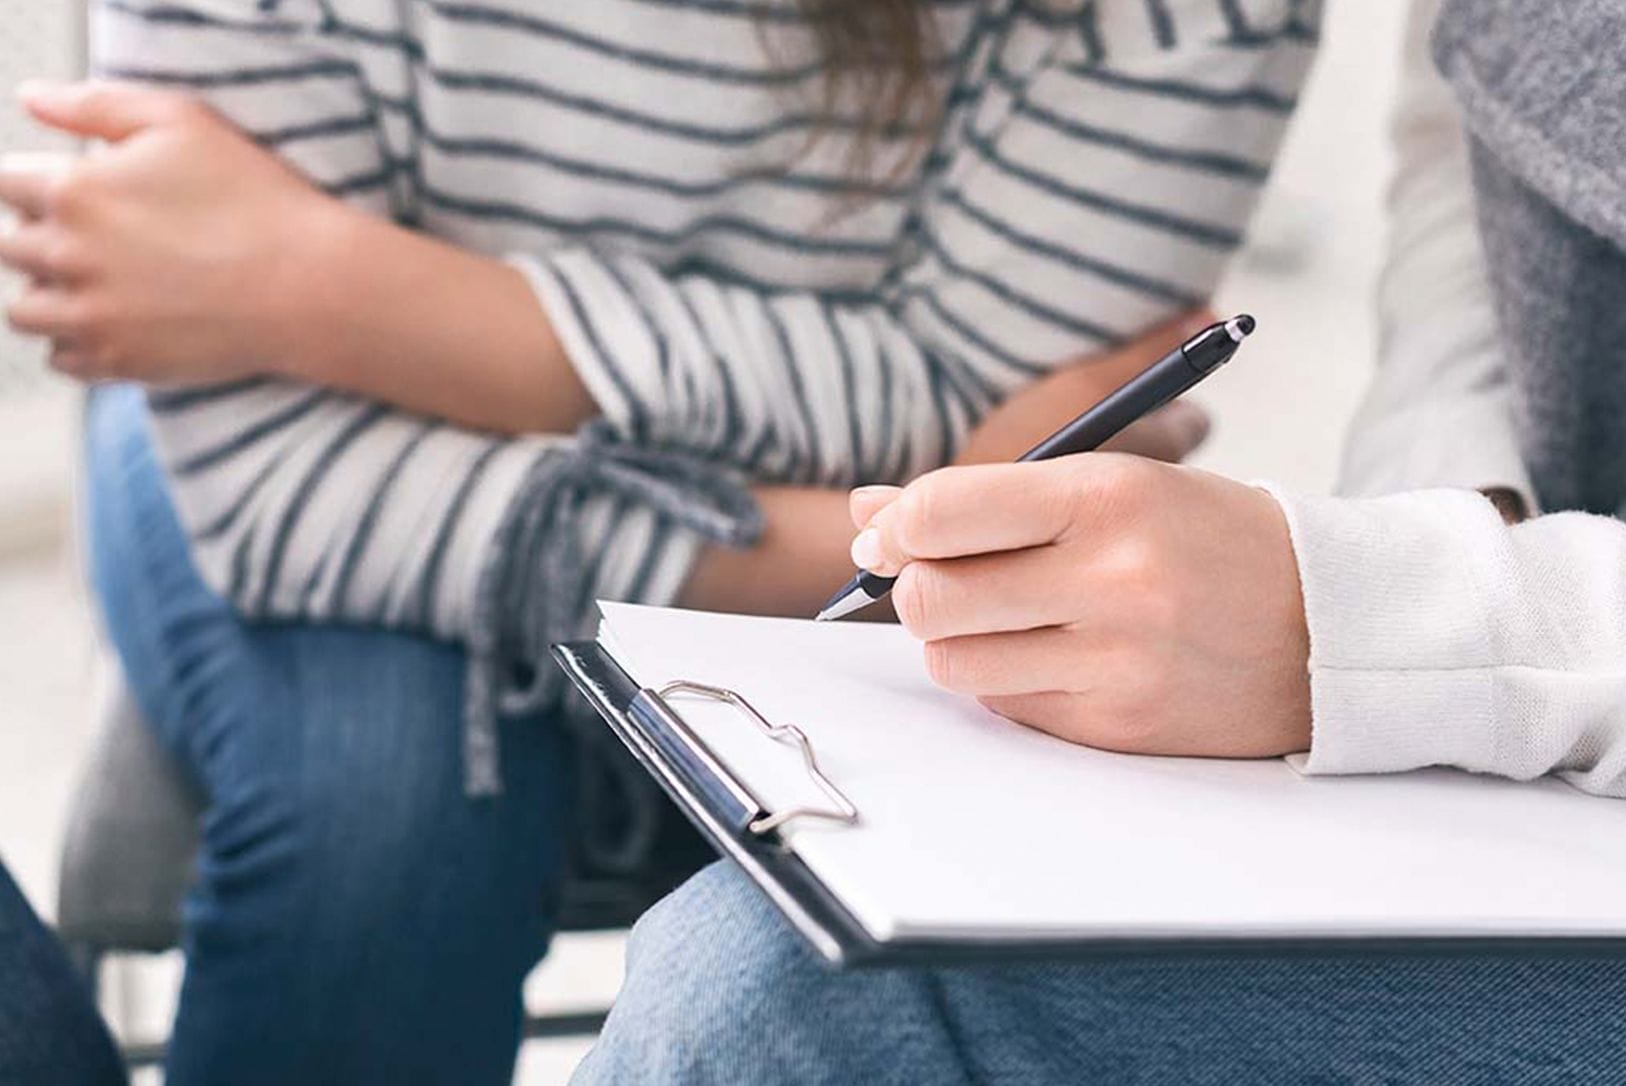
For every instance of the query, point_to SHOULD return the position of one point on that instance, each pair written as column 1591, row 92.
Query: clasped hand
column 1107, row 599
column 167, row 254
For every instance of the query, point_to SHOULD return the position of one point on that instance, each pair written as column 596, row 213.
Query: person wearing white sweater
column 1151, row 608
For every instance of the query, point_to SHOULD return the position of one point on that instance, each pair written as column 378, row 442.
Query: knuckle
column 1140, row 583
column 1132, row 565
column 1123, row 478
column 85, row 340
column 916, row 597
column 88, row 321
column 61, row 252
column 73, row 192
column 945, row 664
column 1116, row 484
column 913, row 520
column 71, row 363
column 107, row 360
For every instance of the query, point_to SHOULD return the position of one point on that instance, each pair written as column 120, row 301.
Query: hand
column 1027, row 418
column 1106, row 599
column 167, row 255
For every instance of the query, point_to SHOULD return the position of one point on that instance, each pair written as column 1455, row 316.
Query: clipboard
column 728, row 814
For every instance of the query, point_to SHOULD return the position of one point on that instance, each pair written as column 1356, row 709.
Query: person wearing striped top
column 457, row 316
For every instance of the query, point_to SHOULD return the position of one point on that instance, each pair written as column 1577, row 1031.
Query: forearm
column 803, row 557
column 800, row 559
column 413, row 321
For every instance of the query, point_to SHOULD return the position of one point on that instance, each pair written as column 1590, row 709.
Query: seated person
column 1380, row 634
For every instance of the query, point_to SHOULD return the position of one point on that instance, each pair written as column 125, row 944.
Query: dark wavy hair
column 878, row 53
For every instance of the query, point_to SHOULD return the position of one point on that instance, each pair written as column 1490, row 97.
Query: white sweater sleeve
column 1438, row 635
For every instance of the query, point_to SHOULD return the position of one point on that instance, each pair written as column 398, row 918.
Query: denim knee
column 720, row 990
column 701, row 965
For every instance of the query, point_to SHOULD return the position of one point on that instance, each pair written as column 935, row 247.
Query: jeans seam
column 951, row 1029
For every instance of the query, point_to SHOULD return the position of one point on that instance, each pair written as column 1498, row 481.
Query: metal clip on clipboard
column 758, row 819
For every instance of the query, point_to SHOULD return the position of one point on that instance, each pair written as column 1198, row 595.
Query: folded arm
column 794, row 385
column 322, row 503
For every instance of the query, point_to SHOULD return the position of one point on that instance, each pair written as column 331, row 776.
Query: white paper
column 976, row 827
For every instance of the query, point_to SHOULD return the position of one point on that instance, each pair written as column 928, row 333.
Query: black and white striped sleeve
column 303, row 502
column 265, row 67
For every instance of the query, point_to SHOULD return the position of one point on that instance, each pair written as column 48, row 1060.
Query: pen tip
column 849, row 599
column 1241, row 326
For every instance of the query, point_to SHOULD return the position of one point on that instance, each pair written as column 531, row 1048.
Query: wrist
column 310, row 294
column 1401, row 629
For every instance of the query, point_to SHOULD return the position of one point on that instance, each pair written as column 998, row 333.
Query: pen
column 1168, row 377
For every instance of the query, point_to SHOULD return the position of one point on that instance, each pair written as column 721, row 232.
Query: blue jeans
column 356, row 918
column 720, row 990
column 50, row 1034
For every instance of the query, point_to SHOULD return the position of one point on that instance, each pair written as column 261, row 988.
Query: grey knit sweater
column 1543, row 86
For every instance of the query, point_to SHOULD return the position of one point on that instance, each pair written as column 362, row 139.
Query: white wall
column 38, row 38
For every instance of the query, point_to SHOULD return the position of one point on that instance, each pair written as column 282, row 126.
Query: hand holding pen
column 1169, row 377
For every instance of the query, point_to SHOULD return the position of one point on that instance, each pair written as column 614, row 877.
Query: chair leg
column 87, row 962
column 143, row 1054
column 578, row 1024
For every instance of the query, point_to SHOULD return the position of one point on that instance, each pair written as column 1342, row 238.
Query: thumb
column 96, row 110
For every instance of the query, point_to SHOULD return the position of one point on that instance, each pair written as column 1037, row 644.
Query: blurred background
column 1279, row 413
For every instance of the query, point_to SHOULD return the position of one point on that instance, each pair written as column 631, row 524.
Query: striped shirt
column 647, row 164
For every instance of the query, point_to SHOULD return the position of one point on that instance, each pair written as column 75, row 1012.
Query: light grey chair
column 129, row 852
column 131, row 849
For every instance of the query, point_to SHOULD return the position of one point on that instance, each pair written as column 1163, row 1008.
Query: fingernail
column 872, row 491
column 866, row 549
